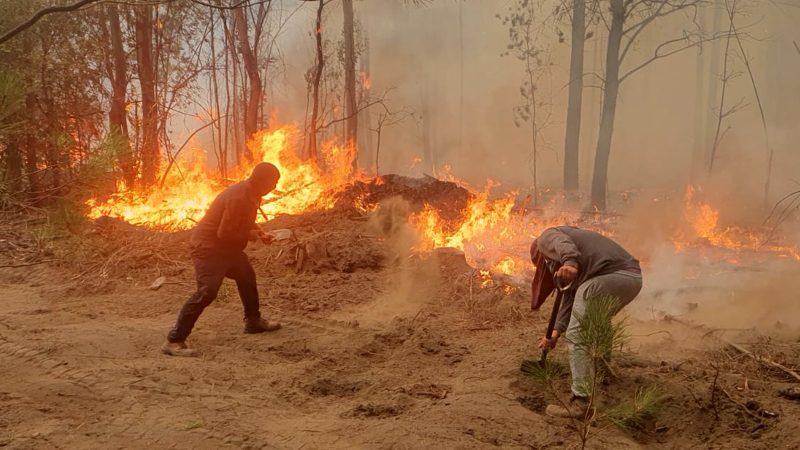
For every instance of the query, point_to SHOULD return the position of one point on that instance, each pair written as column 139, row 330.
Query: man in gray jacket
column 593, row 266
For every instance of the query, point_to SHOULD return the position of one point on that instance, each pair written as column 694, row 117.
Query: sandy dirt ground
column 380, row 357
column 85, row 372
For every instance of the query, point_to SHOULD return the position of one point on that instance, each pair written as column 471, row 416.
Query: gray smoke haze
column 665, row 111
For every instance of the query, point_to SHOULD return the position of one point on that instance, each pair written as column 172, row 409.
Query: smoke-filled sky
column 438, row 57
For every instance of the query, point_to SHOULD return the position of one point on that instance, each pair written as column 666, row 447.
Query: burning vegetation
column 419, row 159
column 185, row 192
column 494, row 231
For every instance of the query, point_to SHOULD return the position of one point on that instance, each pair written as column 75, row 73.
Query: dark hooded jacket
column 227, row 223
column 591, row 253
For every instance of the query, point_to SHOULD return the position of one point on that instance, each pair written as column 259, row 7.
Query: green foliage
column 12, row 96
column 647, row 403
column 104, row 158
column 61, row 217
column 598, row 334
column 545, row 371
column 43, row 233
column 67, row 214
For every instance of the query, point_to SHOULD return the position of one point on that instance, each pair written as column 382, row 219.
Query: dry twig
column 762, row 360
column 740, row 405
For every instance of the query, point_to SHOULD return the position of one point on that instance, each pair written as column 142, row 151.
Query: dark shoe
column 178, row 349
column 252, row 326
column 576, row 408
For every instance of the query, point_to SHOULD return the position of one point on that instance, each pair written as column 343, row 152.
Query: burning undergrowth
column 494, row 231
column 448, row 198
column 351, row 235
column 186, row 188
column 349, row 253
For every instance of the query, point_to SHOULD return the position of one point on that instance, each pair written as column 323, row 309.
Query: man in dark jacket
column 218, row 244
column 592, row 266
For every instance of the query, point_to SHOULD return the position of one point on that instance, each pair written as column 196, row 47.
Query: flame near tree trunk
column 492, row 235
column 189, row 190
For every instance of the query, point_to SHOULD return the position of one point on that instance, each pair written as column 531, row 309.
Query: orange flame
column 507, row 265
column 704, row 221
column 188, row 191
column 491, row 236
column 366, row 82
column 484, row 221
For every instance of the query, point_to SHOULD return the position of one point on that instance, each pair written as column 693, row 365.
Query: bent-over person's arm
column 558, row 246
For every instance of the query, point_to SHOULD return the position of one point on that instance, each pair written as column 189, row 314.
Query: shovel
column 550, row 325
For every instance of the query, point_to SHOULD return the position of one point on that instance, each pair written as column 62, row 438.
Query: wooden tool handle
column 553, row 315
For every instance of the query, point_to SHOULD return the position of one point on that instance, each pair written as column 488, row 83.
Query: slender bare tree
column 628, row 19
column 150, row 153
column 316, row 79
column 351, row 105
column 575, row 101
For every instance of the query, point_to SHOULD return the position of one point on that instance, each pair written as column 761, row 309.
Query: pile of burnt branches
column 448, row 198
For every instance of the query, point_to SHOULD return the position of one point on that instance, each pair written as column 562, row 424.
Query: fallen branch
column 741, row 405
column 737, row 347
column 762, row 360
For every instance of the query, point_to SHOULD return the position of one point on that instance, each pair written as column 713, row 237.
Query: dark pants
column 211, row 267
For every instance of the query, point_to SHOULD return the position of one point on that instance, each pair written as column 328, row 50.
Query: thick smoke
column 440, row 57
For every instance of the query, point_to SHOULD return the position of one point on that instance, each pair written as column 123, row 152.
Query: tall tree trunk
column 602, row 154
column 461, row 75
column 351, row 124
column 222, row 152
column 14, row 165
column 366, row 117
column 532, row 106
column 593, row 107
column 51, row 128
column 428, row 161
column 232, row 89
column 700, row 115
column 714, row 69
column 117, row 115
column 31, row 155
column 227, row 123
column 318, row 67
column 256, row 90
column 238, row 141
column 150, row 155
column 721, row 116
column 572, row 139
